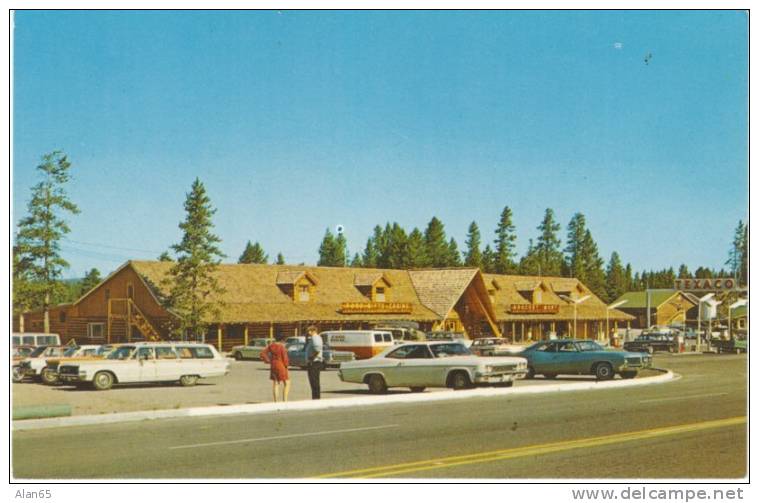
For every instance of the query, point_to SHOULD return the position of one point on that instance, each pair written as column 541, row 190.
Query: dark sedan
column 569, row 356
column 332, row 357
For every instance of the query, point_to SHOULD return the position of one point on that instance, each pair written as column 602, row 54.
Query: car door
column 418, row 368
column 545, row 358
column 144, row 358
column 168, row 366
column 394, row 367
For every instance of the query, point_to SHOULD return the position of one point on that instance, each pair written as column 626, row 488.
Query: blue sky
column 299, row 121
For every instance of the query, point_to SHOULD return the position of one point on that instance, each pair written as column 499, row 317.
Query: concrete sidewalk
column 354, row 401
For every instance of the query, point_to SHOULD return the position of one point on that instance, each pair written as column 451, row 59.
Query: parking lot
column 247, row 383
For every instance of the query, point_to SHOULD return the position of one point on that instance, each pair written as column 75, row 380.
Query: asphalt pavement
column 690, row 428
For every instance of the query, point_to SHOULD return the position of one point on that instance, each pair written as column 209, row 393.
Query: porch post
column 218, row 335
column 245, row 334
column 271, row 330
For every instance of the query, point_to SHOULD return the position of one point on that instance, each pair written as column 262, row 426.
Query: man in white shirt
column 314, row 353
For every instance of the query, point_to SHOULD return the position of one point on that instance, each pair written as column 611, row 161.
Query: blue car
column 585, row 357
column 296, row 352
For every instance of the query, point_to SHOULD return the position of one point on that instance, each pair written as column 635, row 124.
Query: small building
column 667, row 307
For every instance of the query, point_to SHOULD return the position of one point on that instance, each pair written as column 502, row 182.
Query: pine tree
column 164, row 257
column 397, row 247
column 369, row 258
column 595, row 278
column 91, row 280
column 253, row 254
column 356, row 262
column 488, row 259
column 548, row 247
column 24, row 298
column 505, row 244
column 530, row 262
column 327, row 250
column 683, row 272
column 194, row 292
column 454, row 257
column 737, row 258
column 703, row 273
column 615, row 278
column 436, row 247
column 416, row 248
column 629, row 282
column 39, row 234
column 340, row 258
column 280, row 259
column 575, row 254
column 473, row 254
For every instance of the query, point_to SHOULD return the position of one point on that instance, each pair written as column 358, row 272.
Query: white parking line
column 279, row 437
column 686, row 397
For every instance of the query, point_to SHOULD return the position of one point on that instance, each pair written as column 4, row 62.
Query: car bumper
column 498, row 378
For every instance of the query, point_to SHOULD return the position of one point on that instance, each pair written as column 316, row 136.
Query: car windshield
column 122, row 353
column 38, row 351
column 453, row 349
column 589, row 346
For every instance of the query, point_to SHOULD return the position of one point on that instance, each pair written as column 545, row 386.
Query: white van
column 35, row 339
column 363, row 343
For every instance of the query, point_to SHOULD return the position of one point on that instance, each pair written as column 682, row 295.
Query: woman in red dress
column 275, row 354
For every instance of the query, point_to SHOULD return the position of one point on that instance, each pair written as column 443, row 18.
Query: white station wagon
column 185, row 362
column 432, row 364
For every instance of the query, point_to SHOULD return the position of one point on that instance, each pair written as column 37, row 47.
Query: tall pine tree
column 194, row 292
column 280, row 259
column 488, row 259
column 548, row 247
column 505, row 244
column 91, row 280
column 436, row 248
column 595, row 278
column 454, row 257
column 416, row 248
column 473, row 254
column 615, row 277
column 576, row 256
column 39, row 234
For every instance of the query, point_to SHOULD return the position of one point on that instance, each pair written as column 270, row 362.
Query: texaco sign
column 705, row 284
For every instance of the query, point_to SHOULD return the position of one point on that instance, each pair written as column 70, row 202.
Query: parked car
column 650, row 342
column 419, row 365
column 35, row 339
column 332, row 357
column 49, row 374
column 252, row 351
column 33, row 365
column 449, row 336
column 735, row 345
column 142, row 362
column 362, row 343
column 568, row 356
column 494, row 346
column 21, row 352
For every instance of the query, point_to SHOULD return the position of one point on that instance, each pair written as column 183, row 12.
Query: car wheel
column 17, row 375
column 238, row 356
column 604, row 372
column 377, row 384
column 530, row 373
column 417, row 389
column 48, row 377
column 102, row 381
column 629, row 374
column 460, row 380
column 549, row 375
column 188, row 380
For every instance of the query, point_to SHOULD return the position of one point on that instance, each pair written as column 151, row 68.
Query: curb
column 333, row 403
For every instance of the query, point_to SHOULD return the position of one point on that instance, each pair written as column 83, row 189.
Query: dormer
column 531, row 290
column 298, row 285
column 374, row 286
column 568, row 288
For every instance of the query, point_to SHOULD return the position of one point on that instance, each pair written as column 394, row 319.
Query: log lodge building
column 264, row 300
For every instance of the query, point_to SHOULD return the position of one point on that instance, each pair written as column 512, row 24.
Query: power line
column 110, row 246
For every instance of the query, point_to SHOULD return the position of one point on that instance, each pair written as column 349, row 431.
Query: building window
column 303, row 293
column 130, row 291
column 62, row 316
column 741, row 323
column 96, row 330
column 107, row 294
column 379, row 294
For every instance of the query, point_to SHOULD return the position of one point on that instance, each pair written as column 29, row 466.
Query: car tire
column 238, row 356
column 628, row 374
column 16, row 375
column 604, row 372
column 460, row 380
column 530, row 373
column 549, row 375
column 188, row 380
column 48, row 377
column 102, row 381
column 377, row 384
column 417, row 389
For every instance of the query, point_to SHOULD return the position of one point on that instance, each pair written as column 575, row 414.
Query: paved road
column 691, row 428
